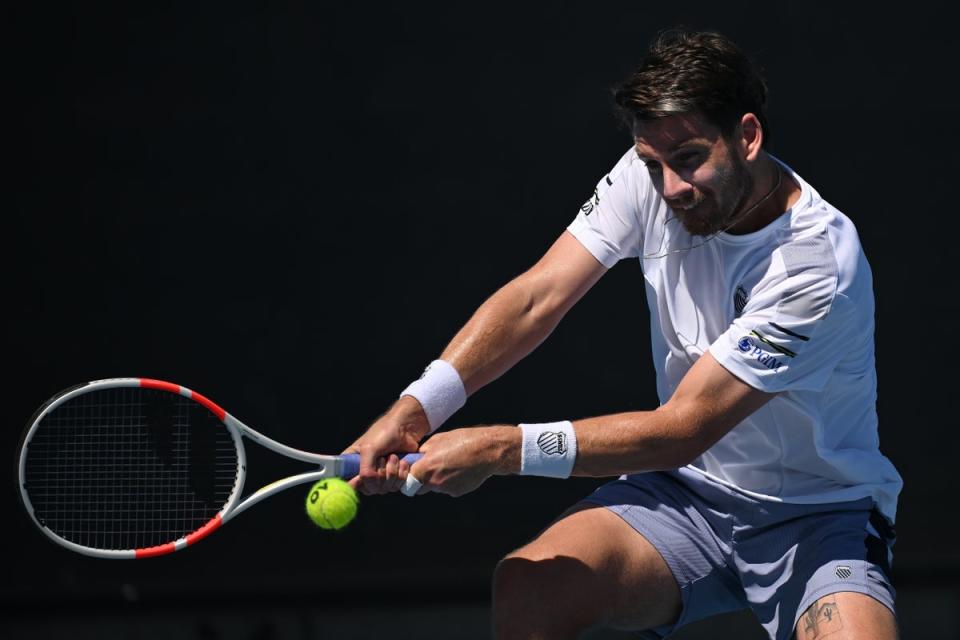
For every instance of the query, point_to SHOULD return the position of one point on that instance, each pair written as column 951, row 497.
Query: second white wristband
column 549, row 449
column 439, row 391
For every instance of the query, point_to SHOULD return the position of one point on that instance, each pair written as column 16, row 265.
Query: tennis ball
column 332, row 503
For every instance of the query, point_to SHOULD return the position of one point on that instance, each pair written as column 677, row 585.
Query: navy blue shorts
column 729, row 551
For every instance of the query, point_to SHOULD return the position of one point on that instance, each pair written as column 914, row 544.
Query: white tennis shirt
column 787, row 309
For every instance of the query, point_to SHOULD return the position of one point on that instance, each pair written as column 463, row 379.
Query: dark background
column 291, row 207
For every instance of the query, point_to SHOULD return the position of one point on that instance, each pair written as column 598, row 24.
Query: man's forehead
column 666, row 134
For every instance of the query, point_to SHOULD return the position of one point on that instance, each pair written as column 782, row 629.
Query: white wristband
column 439, row 391
column 549, row 449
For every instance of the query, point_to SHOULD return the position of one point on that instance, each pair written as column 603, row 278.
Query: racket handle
column 351, row 463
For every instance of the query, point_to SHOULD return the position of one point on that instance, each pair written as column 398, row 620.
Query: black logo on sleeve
column 590, row 204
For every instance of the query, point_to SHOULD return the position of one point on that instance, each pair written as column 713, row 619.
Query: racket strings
column 129, row 468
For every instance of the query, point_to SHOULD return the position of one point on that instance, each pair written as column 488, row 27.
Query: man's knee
column 541, row 591
column 588, row 567
column 538, row 578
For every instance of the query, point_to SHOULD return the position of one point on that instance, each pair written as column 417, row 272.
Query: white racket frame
column 329, row 466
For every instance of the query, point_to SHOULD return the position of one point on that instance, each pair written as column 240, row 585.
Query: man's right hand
column 399, row 430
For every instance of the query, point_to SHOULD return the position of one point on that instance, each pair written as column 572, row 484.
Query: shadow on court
column 926, row 613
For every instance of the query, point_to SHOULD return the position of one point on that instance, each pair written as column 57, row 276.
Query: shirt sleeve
column 608, row 224
column 793, row 331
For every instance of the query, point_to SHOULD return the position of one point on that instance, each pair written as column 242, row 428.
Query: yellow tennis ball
column 332, row 503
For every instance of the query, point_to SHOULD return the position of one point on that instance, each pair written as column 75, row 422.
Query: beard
column 709, row 212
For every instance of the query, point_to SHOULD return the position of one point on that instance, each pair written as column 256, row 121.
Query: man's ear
column 750, row 137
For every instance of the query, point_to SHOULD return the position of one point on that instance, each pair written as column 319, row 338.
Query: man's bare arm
column 508, row 326
column 518, row 317
column 707, row 404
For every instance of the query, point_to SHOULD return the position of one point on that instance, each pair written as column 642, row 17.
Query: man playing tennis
column 758, row 482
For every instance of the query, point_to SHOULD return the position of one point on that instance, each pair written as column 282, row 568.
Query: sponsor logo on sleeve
column 747, row 345
column 768, row 346
column 590, row 204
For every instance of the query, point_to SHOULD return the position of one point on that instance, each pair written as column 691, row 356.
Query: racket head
column 130, row 467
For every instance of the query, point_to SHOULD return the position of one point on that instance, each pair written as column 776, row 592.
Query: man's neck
column 774, row 192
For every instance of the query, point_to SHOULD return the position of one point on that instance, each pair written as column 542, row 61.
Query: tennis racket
column 137, row 468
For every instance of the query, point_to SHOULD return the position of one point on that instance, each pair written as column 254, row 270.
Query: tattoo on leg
column 822, row 619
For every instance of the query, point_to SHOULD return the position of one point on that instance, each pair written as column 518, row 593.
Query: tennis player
column 758, row 482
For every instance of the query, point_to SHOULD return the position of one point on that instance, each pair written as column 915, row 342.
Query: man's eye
column 687, row 160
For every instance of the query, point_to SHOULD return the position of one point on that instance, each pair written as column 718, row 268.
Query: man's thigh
column 847, row 616
column 591, row 559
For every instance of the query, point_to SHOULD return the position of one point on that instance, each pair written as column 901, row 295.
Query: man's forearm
column 635, row 442
column 708, row 403
column 507, row 327
column 615, row 444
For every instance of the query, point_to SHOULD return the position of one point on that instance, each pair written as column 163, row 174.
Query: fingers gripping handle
column 351, row 463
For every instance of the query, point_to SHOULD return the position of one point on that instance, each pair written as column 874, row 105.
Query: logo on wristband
column 553, row 443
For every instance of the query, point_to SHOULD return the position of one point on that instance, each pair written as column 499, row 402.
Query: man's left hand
column 457, row 462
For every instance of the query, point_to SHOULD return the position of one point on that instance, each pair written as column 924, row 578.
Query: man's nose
column 674, row 187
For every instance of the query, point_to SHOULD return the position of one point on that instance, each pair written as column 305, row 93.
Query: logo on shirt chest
column 739, row 300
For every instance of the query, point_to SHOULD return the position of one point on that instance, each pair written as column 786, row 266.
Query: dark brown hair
column 694, row 72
